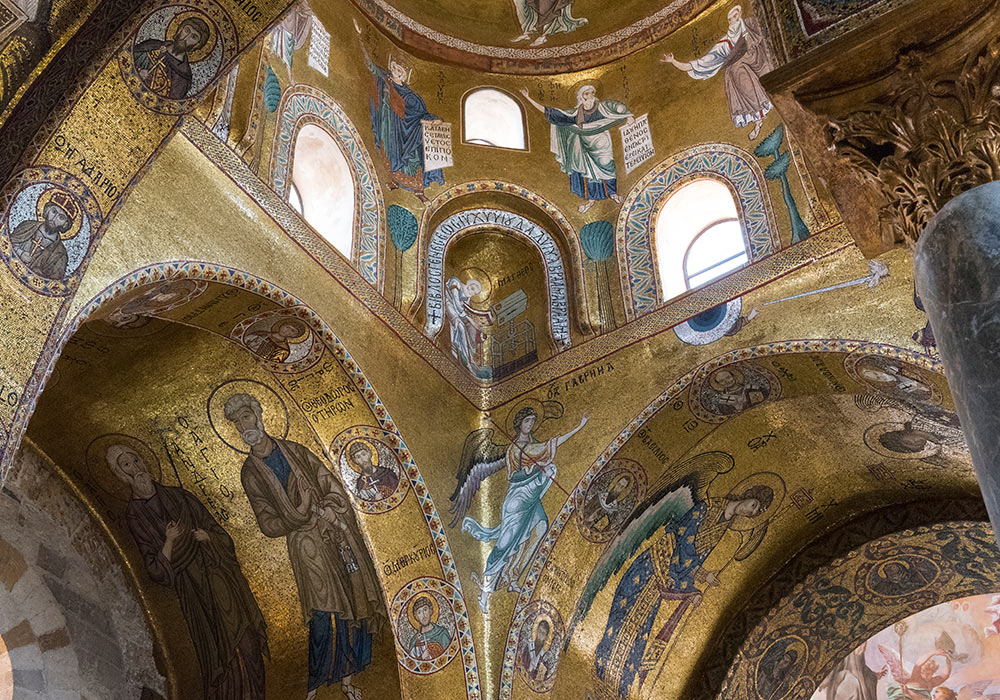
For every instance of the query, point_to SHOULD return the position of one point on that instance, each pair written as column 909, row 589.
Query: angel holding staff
column 531, row 470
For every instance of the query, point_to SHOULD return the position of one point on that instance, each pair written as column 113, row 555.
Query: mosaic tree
column 598, row 240
column 778, row 170
column 403, row 232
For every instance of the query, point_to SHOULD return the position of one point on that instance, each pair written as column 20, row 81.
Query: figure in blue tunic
column 689, row 526
column 581, row 142
column 397, row 115
column 531, row 469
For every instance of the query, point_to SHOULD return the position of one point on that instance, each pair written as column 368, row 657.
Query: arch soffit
column 566, row 236
column 672, row 394
column 301, row 105
column 470, row 221
column 239, row 279
column 635, row 235
column 856, row 610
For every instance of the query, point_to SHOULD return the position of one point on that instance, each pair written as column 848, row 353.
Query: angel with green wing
column 531, row 470
column 696, row 536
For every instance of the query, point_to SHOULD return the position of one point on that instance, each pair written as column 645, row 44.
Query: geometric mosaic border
column 634, row 236
column 301, row 105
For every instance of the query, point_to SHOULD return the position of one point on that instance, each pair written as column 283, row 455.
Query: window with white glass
column 491, row 117
column 322, row 187
column 698, row 236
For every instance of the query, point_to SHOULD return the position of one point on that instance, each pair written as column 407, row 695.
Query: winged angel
column 925, row 675
column 695, row 535
column 531, row 469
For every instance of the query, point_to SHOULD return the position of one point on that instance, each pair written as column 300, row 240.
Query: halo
column 291, row 320
column 534, row 630
column 396, row 58
column 524, row 403
column 876, row 431
column 776, row 484
column 202, row 53
column 276, row 420
column 46, row 197
column 99, row 472
column 735, row 371
column 478, row 274
column 347, row 453
column 435, row 609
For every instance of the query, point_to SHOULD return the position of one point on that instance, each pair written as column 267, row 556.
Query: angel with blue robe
column 531, row 470
column 581, row 142
column 397, row 115
column 696, row 536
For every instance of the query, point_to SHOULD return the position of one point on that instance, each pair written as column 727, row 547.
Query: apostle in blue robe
column 397, row 115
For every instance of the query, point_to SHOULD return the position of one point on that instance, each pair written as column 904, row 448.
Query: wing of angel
column 481, row 458
column 945, row 643
column 894, row 663
column 674, row 493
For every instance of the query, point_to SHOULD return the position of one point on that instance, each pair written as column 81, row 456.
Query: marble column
column 957, row 268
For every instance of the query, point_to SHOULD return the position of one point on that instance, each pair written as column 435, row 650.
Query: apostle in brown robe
column 183, row 547
column 296, row 497
column 743, row 55
column 39, row 244
column 164, row 66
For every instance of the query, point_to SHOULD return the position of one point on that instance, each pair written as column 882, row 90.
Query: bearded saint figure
column 296, row 497
column 184, row 548
column 742, row 55
column 581, row 142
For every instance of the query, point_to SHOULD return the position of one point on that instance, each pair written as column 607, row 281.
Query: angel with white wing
column 696, row 534
column 531, row 469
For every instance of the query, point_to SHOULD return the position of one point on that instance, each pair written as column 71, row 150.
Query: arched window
column 698, row 237
column 323, row 187
column 294, row 198
column 491, row 117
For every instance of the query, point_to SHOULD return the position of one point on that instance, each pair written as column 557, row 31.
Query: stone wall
column 69, row 616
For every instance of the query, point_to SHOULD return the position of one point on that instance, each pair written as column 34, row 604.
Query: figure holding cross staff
column 531, row 470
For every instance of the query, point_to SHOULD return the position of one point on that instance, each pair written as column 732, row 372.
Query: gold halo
column 435, row 609
column 101, row 475
column 478, row 274
column 291, row 320
column 874, row 432
column 736, row 372
column 275, row 412
column 46, row 197
column 209, row 46
column 534, row 630
column 524, row 403
column 347, row 453
column 777, row 486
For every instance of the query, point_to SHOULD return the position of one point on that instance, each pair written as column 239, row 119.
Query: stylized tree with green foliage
column 403, row 229
column 778, row 170
column 598, row 241
column 272, row 91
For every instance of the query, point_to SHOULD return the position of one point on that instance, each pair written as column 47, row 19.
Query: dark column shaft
column 957, row 267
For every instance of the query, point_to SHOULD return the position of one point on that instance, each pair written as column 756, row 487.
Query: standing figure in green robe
column 581, row 142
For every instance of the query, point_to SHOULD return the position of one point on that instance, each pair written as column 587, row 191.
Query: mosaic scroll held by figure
column 530, row 466
column 946, row 652
column 698, row 530
column 491, row 342
column 296, row 497
column 581, row 142
column 397, row 116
